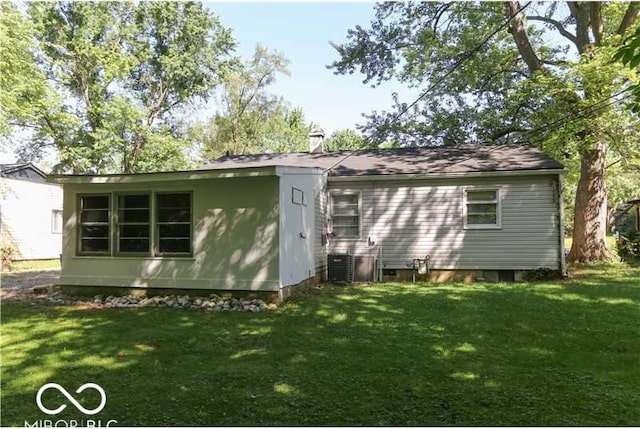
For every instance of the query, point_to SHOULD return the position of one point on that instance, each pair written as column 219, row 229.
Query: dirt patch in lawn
column 27, row 285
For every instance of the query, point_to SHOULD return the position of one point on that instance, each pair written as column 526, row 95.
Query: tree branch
column 597, row 28
column 505, row 131
column 614, row 163
column 556, row 62
column 580, row 13
column 563, row 31
column 439, row 13
column 521, row 38
column 629, row 17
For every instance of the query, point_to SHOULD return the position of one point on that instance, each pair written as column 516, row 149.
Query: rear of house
column 262, row 224
column 476, row 212
column 470, row 227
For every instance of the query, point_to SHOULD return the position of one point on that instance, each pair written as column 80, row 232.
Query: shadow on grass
column 393, row 354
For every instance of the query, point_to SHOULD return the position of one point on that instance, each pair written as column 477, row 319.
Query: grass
column 551, row 353
column 40, row 264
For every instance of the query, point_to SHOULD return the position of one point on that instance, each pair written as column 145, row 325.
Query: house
column 626, row 218
column 30, row 212
column 264, row 223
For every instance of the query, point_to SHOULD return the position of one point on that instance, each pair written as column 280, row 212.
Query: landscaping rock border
column 213, row 302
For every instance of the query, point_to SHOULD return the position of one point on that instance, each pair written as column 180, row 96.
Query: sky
column 302, row 32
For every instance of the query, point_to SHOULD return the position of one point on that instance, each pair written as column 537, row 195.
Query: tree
column 124, row 71
column 251, row 119
column 22, row 86
column 552, row 84
column 629, row 54
column 346, row 139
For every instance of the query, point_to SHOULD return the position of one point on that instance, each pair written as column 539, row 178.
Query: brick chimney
column 316, row 140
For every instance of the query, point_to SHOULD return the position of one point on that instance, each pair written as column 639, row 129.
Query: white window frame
column 341, row 193
column 497, row 202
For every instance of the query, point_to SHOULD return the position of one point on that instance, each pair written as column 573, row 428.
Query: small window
column 134, row 229
column 56, row 221
column 482, row 208
column 345, row 215
column 173, row 220
column 297, row 196
column 94, row 233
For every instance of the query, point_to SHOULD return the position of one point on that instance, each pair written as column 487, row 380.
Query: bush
column 628, row 245
column 541, row 274
column 7, row 252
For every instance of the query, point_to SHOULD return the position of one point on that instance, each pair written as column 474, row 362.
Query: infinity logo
column 61, row 389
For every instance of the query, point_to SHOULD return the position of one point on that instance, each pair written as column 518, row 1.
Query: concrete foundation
column 267, row 296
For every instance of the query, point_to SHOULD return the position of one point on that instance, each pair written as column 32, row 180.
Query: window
column 482, row 208
column 173, row 222
column 56, row 221
column 133, row 223
column 345, row 215
column 297, row 197
column 94, row 233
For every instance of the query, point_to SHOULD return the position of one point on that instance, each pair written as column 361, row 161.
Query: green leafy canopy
column 122, row 73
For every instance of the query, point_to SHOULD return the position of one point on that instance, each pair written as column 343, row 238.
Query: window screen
column 173, row 219
column 345, row 215
column 133, row 223
column 94, row 233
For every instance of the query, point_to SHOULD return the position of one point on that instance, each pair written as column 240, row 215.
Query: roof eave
column 228, row 173
column 446, row 175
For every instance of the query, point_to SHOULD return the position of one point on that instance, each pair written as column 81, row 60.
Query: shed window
column 94, row 233
column 133, row 223
column 173, row 222
column 482, row 208
column 345, row 215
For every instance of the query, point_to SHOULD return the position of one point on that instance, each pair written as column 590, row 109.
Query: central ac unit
column 340, row 268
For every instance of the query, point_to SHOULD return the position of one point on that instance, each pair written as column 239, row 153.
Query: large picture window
column 94, row 231
column 482, row 208
column 141, row 224
column 173, row 220
column 134, row 230
column 345, row 215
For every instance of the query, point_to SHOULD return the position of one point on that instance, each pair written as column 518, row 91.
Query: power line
column 588, row 109
column 457, row 64
column 581, row 113
column 464, row 58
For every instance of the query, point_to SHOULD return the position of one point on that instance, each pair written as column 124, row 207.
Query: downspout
column 563, row 263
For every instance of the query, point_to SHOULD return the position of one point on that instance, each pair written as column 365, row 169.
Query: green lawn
column 563, row 353
column 41, row 264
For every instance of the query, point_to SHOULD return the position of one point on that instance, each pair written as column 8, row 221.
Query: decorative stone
column 214, row 303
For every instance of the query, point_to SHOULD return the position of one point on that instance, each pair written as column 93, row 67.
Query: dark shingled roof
column 423, row 160
column 24, row 171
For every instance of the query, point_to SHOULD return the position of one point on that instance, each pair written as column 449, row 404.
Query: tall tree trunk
column 590, row 222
